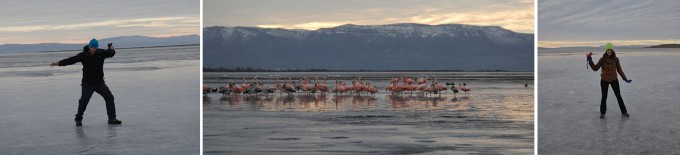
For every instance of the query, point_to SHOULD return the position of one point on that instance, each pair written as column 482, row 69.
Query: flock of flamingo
column 397, row 86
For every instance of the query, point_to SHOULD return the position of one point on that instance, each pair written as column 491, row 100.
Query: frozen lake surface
column 496, row 118
column 569, row 100
column 156, row 92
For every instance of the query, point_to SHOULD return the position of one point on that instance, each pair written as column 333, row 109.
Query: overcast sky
column 516, row 15
column 77, row 21
column 596, row 22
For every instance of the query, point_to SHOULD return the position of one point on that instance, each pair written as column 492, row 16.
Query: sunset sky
column 77, row 21
column 516, row 15
column 595, row 23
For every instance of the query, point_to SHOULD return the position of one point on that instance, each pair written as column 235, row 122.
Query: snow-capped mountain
column 381, row 47
column 119, row 42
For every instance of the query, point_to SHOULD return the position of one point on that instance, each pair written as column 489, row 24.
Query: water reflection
column 508, row 104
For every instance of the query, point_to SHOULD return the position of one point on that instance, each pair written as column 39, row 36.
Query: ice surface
column 569, row 100
column 156, row 92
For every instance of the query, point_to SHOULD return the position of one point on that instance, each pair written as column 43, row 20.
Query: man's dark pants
column 101, row 89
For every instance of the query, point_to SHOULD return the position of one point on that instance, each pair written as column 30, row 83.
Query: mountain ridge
column 376, row 47
column 133, row 41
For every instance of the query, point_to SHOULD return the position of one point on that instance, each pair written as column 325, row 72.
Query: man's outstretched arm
column 68, row 61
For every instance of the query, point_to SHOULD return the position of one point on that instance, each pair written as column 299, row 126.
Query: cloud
column 140, row 22
column 516, row 15
column 521, row 21
column 555, row 44
column 582, row 22
column 306, row 26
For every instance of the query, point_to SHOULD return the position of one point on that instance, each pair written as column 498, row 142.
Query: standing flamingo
column 465, row 89
column 370, row 89
column 453, row 88
column 407, row 80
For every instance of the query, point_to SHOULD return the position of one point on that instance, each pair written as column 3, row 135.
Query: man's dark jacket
column 93, row 64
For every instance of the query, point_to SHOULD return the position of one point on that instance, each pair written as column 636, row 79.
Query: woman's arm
column 618, row 69
column 597, row 66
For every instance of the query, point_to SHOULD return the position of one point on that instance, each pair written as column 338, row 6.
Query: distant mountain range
column 601, row 47
column 665, row 46
column 118, row 42
column 405, row 46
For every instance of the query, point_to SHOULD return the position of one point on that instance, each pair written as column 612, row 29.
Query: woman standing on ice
column 610, row 65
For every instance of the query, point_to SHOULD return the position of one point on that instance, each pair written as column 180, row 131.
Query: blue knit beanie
column 93, row 43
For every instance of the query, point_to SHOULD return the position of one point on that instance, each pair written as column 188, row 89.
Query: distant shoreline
column 665, row 46
column 123, row 48
column 206, row 70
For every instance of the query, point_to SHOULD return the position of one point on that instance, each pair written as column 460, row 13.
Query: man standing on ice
column 92, row 59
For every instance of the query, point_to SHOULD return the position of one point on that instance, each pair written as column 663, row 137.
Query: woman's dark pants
column 605, row 86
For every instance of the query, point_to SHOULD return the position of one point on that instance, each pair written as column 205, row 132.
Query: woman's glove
column 628, row 81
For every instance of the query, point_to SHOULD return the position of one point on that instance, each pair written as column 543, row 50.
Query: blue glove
column 628, row 81
column 590, row 59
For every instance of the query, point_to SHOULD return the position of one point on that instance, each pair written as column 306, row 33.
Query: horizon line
column 86, row 40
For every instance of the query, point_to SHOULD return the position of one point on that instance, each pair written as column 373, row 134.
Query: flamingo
column 429, row 89
column 396, row 88
column 358, row 86
column 453, row 88
column 345, row 88
column 438, row 88
column 257, row 88
column 465, row 89
column 422, row 84
column 389, row 87
column 206, row 89
column 245, row 84
column 269, row 89
column 370, row 89
column 407, row 80
column 289, row 87
column 306, row 87
column 336, row 89
column 421, row 80
column 410, row 87
column 322, row 87
column 236, row 89
column 224, row 90
column 279, row 86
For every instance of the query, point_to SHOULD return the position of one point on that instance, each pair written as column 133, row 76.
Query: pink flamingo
column 429, row 89
column 347, row 88
column 321, row 86
column 245, row 84
column 438, row 88
column 396, row 88
column 410, row 87
column 465, row 89
column 421, row 80
column 407, row 80
column 336, row 89
column 390, row 87
column 358, row 86
column 422, row 84
column 236, row 89
column 206, row 89
column 370, row 89
column 289, row 87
